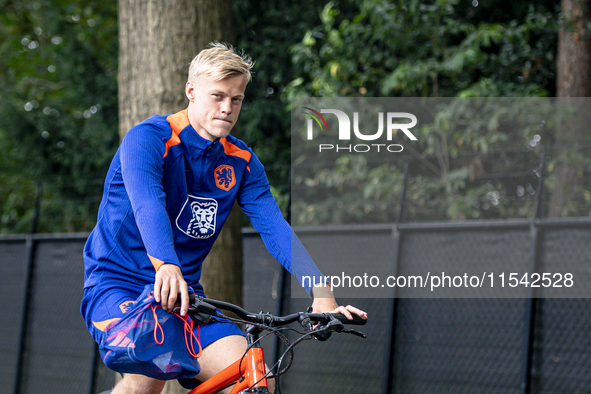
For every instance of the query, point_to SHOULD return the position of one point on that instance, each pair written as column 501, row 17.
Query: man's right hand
column 167, row 286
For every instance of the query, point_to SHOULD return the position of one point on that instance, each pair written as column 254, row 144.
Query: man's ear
column 190, row 90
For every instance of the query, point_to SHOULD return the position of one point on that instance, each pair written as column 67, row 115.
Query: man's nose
column 227, row 106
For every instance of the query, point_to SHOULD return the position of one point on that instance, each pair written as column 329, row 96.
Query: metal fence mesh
column 458, row 345
column 562, row 348
column 58, row 346
column 457, row 251
column 451, row 345
column 13, row 255
column 562, row 357
column 344, row 363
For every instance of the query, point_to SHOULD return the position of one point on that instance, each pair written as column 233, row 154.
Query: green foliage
column 418, row 48
column 436, row 48
column 351, row 191
column 265, row 30
column 58, row 65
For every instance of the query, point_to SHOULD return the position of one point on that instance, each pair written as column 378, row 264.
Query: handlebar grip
column 357, row 321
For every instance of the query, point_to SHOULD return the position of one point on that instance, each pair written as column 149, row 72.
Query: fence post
column 531, row 305
column 28, row 277
column 540, row 198
column 401, row 208
column 284, row 283
column 388, row 386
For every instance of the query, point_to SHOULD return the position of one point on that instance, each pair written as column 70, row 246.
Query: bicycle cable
column 270, row 330
column 277, row 365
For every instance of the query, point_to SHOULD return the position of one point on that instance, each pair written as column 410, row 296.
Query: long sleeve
column 257, row 202
column 142, row 168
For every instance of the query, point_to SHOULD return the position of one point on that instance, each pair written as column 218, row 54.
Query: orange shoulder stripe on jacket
column 232, row 150
column 177, row 122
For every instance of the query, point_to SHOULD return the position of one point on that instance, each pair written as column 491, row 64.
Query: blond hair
column 219, row 61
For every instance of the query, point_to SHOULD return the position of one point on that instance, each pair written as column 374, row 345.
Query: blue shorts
column 108, row 302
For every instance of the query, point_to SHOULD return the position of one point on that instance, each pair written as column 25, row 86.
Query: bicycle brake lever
column 335, row 325
column 339, row 327
column 354, row 332
column 327, row 330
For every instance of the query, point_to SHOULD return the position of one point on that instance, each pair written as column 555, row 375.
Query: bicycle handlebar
column 206, row 305
column 317, row 325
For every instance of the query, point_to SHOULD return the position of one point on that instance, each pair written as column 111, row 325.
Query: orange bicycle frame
column 245, row 373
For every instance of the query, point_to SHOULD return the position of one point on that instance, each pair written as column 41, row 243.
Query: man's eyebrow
column 225, row 94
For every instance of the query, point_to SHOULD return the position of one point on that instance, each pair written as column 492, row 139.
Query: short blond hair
column 220, row 60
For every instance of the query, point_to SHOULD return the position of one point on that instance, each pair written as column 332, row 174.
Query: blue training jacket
column 167, row 195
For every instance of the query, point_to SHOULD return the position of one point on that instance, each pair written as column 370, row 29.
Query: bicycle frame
column 247, row 372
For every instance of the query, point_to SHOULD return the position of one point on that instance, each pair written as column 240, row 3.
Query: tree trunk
column 573, row 80
column 157, row 41
column 574, row 50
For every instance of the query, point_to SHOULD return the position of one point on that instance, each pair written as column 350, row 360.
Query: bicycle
column 249, row 374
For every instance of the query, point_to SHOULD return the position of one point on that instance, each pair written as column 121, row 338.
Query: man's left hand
column 324, row 302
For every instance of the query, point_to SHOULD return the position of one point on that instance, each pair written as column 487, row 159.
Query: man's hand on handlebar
column 167, row 286
column 324, row 302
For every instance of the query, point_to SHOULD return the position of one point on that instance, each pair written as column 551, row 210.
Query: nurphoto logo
column 345, row 130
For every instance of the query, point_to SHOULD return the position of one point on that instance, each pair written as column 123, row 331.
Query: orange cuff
column 156, row 262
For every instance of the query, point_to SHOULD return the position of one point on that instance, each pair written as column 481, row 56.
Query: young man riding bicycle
column 168, row 192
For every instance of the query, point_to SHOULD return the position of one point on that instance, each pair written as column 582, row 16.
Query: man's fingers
column 164, row 292
column 184, row 290
column 157, row 286
column 349, row 310
column 168, row 283
column 357, row 311
column 172, row 294
column 342, row 310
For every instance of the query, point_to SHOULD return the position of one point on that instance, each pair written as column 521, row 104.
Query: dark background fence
column 486, row 345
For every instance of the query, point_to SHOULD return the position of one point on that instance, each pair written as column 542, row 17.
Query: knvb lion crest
column 224, row 177
column 197, row 218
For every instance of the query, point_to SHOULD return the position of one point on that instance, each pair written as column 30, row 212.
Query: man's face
column 214, row 106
